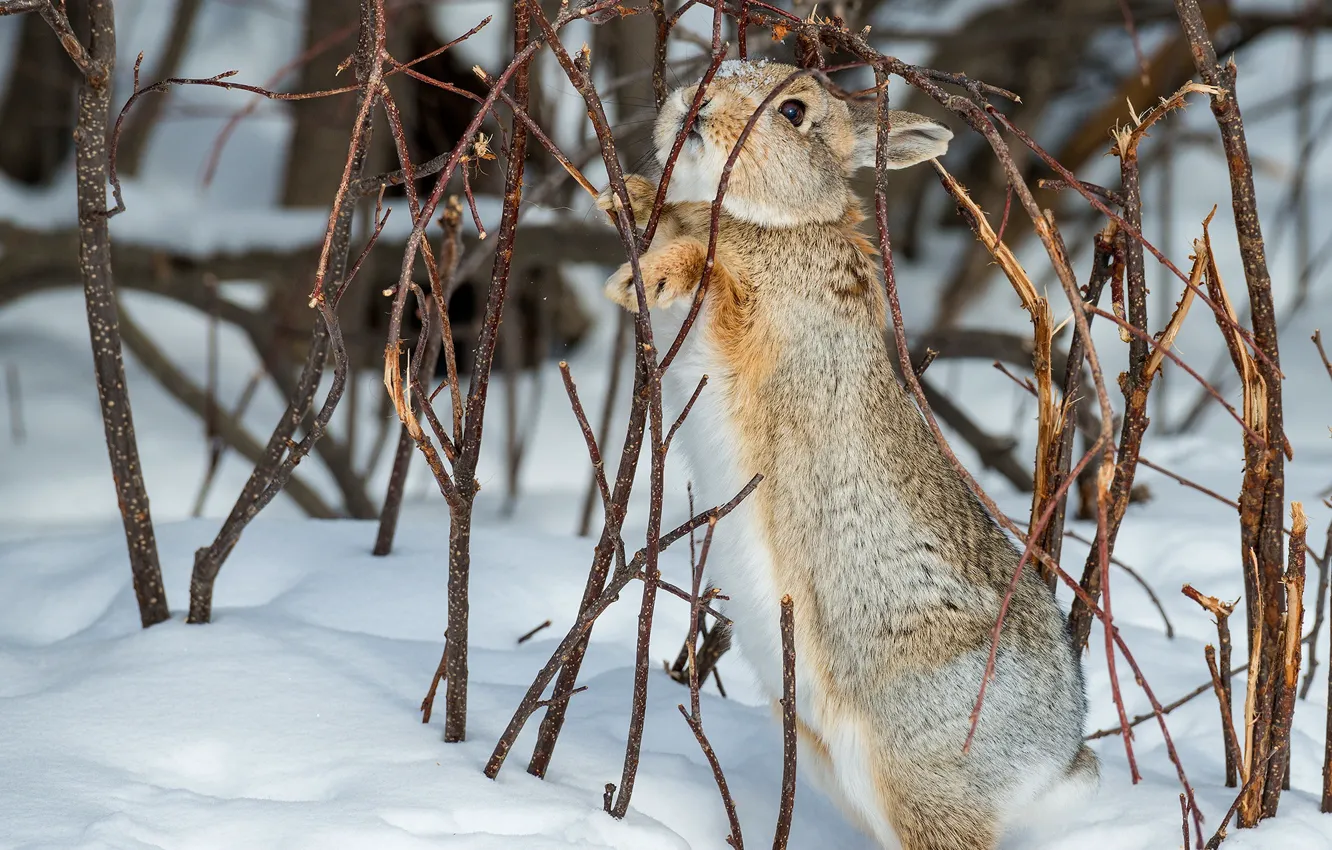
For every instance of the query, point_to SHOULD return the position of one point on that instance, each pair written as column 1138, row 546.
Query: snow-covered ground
column 292, row 720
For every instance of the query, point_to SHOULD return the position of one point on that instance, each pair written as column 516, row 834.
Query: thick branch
column 91, row 165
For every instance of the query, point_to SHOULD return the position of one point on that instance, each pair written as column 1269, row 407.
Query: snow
column 292, row 720
column 744, row 70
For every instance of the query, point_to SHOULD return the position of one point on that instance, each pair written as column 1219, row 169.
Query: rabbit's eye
column 793, row 111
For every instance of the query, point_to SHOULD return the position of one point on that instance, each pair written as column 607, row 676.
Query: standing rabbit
column 896, row 571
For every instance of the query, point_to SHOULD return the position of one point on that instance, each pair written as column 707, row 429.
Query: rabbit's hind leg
column 816, row 765
column 929, row 815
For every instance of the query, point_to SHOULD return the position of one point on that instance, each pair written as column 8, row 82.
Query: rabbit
column 895, row 569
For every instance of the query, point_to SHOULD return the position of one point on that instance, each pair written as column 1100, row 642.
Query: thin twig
column 1320, row 609
column 578, row 72
column 598, row 466
column 281, row 456
column 587, row 616
column 622, row 328
column 1220, row 835
column 529, row 635
column 1140, row 719
column 1222, row 611
column 441, row 671
column 1287, row 677
column 1033, row 534
column 684, row 413
column 1318, row 342
column 1230, row 738
column 789, row 733
column 694, row 717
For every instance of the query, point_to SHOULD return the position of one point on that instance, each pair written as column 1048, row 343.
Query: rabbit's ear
column 912, row 138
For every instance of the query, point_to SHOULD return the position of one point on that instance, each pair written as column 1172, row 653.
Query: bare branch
column 789, row 730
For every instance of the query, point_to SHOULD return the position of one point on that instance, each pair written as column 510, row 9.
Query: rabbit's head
column 796, row 163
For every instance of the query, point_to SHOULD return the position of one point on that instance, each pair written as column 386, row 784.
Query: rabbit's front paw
column 642, row 195
column 669, row 273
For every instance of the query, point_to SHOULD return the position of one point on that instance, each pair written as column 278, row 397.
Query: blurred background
column 228, row 196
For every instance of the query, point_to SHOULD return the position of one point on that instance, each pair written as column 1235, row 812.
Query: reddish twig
column 1178, row 361
column 1326, row 803
column 322, row 46
column 545, row 140
column 684, row 412
column 607, row 411
column 578, row 74
column 1220, row 835
column 587, row 616
column 1158, row 711
column 694, row 716
column 216, row 81
column 1230, row 739
column 1222, row 611
column 441, row 671
column 1033, row 535
column 1092, row 197
column 1008, row 205
column 649, row 387
column 471, row 202
column 1318, row 343
column 1137, row 578
column 1320, row 608
column 691, row 116
column 598, row 466
column 1140, row 719
column 1056, row 185
column 1145, row 74
column 380, row 221
column 1187, row 483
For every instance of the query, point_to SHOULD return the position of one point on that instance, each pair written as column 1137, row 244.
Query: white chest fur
column 740, row 563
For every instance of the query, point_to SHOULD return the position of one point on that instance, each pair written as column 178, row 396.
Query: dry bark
column 1262, row 496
